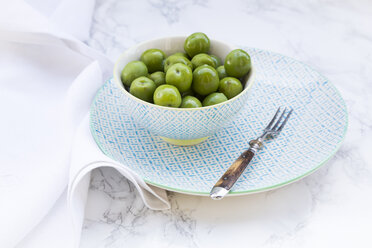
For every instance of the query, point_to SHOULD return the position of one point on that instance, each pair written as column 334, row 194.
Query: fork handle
column 229, row 178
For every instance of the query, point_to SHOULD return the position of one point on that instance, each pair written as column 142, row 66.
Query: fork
column 229, row 178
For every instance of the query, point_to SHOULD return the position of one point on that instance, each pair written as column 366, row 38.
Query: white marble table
column 330, row 208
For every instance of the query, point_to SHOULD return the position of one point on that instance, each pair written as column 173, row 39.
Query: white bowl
column 180, row 126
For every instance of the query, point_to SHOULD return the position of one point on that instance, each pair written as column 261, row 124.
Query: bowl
column 180, row 126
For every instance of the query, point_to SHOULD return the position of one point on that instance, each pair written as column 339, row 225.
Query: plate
column 311, row 137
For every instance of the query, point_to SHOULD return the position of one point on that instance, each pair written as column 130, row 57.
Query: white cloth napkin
column 48, row 79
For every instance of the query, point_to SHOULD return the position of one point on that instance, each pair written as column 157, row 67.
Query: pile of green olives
column 189, row 79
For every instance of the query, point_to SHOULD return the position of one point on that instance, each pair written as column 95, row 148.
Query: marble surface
column 330, row 208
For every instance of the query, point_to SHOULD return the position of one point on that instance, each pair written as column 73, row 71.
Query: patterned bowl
column 180, row 126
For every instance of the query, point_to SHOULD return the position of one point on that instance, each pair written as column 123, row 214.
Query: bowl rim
column 118, row 82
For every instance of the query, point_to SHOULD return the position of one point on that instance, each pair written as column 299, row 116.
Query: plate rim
column 242, row 192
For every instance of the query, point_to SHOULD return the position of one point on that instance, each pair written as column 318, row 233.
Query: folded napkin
column 47, row 82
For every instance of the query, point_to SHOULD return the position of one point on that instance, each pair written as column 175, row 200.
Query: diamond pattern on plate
column 312, row 135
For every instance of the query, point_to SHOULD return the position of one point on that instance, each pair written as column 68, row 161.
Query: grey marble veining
column 330, row 208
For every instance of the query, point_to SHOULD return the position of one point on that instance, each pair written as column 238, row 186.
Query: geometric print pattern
column 179, row 123
column 311, row 137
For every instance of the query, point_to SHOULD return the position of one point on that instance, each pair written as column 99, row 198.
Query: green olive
column 221, row 72
column 188, row 93
column 217, row 60
column 230, row 87
column 174, row 59
column 205, row 80
column 132, row 71
column 170, row 81
column 237, row 63
column 179, row 75
column 143, row 88
column 153, row 59
column 182, row 54
column 190, row 102
column 167, row 95
column 196, row 43
column 202, row 59
column 158, row 78
column 214, row 98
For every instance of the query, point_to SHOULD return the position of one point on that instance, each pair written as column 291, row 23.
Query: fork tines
column 276, row 127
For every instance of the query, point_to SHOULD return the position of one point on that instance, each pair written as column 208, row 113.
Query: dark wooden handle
column 236, row 169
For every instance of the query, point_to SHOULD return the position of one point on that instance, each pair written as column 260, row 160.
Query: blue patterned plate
column 310, row 138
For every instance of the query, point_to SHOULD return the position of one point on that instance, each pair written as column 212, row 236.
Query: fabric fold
column 47, row 83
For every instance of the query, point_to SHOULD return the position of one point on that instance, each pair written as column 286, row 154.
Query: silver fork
column 229, row 178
